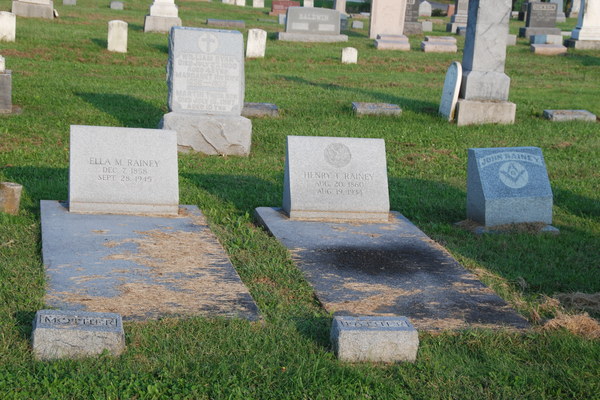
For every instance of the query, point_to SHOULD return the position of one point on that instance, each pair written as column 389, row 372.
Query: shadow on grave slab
column 130, row 111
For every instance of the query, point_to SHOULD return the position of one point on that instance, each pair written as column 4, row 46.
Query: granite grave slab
column 258, row 110
column 361, row 108
column 569, row 115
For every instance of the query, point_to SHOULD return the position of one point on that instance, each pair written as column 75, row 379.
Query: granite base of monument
column 307, row 37
column 210, row 134
column 525, row 227
column 544, row 49
column 33, row 10
column 438, row 47
column 388, row 269
column 141, row 267
column 472, row 112
column 583, row 44
column 75, row 334
column 160, row 24
column 392, row 42
column 527, row 32
column 413, row 28
column 374, row 339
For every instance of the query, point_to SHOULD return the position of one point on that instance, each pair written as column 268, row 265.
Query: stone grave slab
column 392, row 42
column 116, row 5
column 69, row 2
column 226, row 23
column 374, row 339
column 312, row 25
column 259, row 110
column 548, row 49
column 141, row 267
column 508, row 185
column 388, row 269
column 361, row 108
column 450, row 91
column 358, row 25
column 427, row 26
column 76, row 334
column 569, row 115
column 511, row 40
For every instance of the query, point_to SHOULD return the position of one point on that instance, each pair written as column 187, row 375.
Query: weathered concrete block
column 10, row 197
column 569, row 115
column 76, row 334
column 473, row 112
column 260, row 110
column 374, row 339
column 548, row 49
column 210, row 134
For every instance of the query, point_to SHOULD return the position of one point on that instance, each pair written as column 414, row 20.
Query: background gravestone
column 8, row 26
column 5, row 88
column 507, row 185
column 257, row 43
column 450, row 91
column 312, row 25
column 460, row 17
column 387, row 17
column 586, row 35
column 541, row 20
column 411, row 24
column 33, row 8
column 117, row 36
column 163, row 15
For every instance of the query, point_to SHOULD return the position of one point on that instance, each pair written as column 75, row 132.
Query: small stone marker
column 425, row 9
column 116, row 5
column 308, row 3
column 312, row 25
column 206, row 107
column 258, row 110
column 374, row 339
column 511, row 40
column 281, row 18
column 34, row 9
column 392, row 42
column 6, row 106
column 358, row 25
column 10, row 197
column 330, row 178
column 427, row 26
column 226, row 23
column 508, row 185
column 541, row 19
column 361, row 109
column 349, row 55
column 241, row 3
column 258, row 3
column 117, row 36
column 123, row 171
column 8, row 26
column 569, row 115
column 2, row 65
column 69, row 2
column 163, row 15
column 76, row 334
column 451, row 90
column 257, row 43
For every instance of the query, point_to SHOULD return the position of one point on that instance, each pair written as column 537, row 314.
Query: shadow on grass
column 24, row 322
column 315, row 329
column 414, row 105
column 576, row 204
column 102, row 43
column 40, row 183
column 163, row 48
column 130, row 112
column 585, row 59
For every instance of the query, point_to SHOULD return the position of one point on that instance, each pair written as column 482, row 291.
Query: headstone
column 10, row 197
column 360, row 109
column 123, row 171
column 260, row 110
column 258, row 3
column 8, row 26
column 450, row 10
column 308, row 3
column 33, row 8
column 329, row 178
column 340, row 6
column 232, row 2
column 226, row 23
column 560, row 14
column 427, row 26
column 412, row 26
column 6, row 106
column 76, row 334
column 508, row 185
column 450, row 91
column 574, row 9
column 439, row 44
column 69, row 2
column 312, row 25
column 514, row 14
column 392, row 42
column 117, row 36
column 586, row 36
column 281, row 18
column 569, row 115
column 257, row 43
column 2, row 64
column 343, row 22
column 460, row 16
column 281, row 6
column 349, row 55
column 374, row 339
column 425, row 9
column 117, row 5
column 163, row 15
column 387, row 17
column 485, row 86
column 511, row 40
column 541, row 19
column 241, row 3
column 205, row 76
column 358, row 25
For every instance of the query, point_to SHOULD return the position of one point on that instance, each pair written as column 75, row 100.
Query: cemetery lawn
column 63, row 75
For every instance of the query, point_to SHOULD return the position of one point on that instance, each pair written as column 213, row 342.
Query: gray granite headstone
column 123, row 170
column 411, row 24
column 374, row 339
column 76, row 334
column 451, row 90
column 541, row 15
column 335, row 178
column 319, row 21
column 508, row 185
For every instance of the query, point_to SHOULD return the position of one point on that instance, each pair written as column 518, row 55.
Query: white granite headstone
column 387, row 17
column 257, row 43
column 349, row 55
column 451, row 90
column 308, row 3
column 123, row 171
column 425, row 9
column 2, row 64
column 333, row 178
column 117, row 36
column 8, row 26
column 258, row 3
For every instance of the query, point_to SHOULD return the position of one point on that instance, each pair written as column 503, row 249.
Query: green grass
column 63, row 75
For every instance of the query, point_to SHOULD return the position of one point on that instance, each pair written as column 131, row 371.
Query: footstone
column 257, row 43
column 8, row 26
column 210, row 134
column 226, row 23
column 450, row 91
column 392, row 42
column 258, row 110
column 361, row 109
column 6, row 106
column 387, row 17
column 336, row 179
column 474, row 112
column 69, row 2
column 117, row 36
column 427, row 26
column 258, row 3
column 358, row 25
column 511, row 40
column 349, row 55
column 123, row 170
column 388, row 269
column 438, row 47
column 141, row 267
column 374, row 339
column 569, row 115
column 68, row 334
column 116, row 5
column 33, row 9
column 10, row 197
column 312, row 25
column 548, row 49
column 508, row 185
